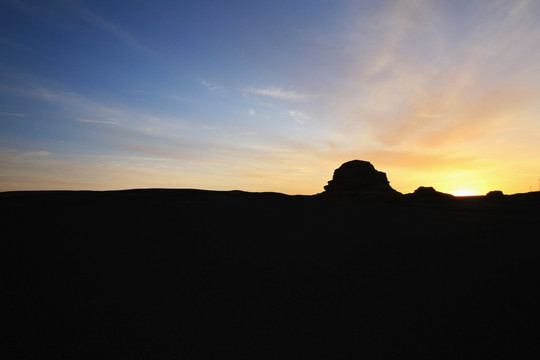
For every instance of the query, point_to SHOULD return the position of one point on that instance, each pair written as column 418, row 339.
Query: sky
column 269, row 95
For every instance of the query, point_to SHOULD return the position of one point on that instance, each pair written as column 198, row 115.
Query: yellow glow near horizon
column 464, row 192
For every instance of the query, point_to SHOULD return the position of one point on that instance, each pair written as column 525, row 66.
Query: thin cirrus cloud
column 13, row 114
column 14, row 45
column 37, row 153
column 95, row 19
column 279, row 93
column 210, row 86
column 127, row 129
column 81, row 11
column 468, row 85
column 86, row 110
column 99, row 122
column 299, row 116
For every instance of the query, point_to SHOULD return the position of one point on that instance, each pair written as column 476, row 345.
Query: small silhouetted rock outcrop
column 359, row 177
column 495, row 195
column 429, row 193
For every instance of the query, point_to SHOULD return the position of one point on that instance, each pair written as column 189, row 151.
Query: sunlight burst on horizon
column 465, row 192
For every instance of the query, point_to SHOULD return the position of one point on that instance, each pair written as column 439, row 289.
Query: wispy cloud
column 36, row 153
column 83, row 12
column 13, row 44
column 99, row 122
column 108, row 119
column 279, row 93
column 423, row 82
column 299, row 116
column 132, row 130
column 79, row 107
column 211, row 86
column 13, row 114
column 42, row 170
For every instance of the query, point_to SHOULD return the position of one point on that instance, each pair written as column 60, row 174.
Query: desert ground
column 164, row 273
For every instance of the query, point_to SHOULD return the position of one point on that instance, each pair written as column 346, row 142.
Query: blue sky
column 268, row 95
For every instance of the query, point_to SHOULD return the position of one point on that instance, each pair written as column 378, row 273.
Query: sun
column 464, row 192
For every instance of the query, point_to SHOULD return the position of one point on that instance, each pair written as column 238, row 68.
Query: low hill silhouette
column 168, row 273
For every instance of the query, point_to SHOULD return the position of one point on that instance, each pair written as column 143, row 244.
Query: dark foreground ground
column 163, row 274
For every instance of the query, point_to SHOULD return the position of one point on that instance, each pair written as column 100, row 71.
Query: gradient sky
column 269, row 95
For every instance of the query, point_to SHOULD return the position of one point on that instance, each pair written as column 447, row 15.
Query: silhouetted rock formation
column 429, row 193
column 359, row 177
column 495, row 194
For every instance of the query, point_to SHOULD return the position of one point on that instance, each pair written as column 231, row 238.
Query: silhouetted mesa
column 429, row 193
column 359, row 177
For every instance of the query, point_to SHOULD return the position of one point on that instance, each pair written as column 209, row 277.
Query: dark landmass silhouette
column 358, row 176
column 185, row 273
column 359, row 179
column 428, row 192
